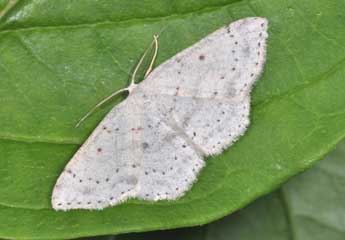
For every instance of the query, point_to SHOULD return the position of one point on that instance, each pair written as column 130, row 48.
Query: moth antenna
column 100, row 104
column 149, row 70
column 132, row 84
column 155, row 41
column 140, row 62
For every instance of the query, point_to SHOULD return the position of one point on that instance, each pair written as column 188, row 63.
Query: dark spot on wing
column 145, row 145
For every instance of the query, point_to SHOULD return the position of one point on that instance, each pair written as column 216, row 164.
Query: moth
column 152, row 145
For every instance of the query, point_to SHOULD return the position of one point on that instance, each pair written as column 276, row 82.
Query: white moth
column 151, row 146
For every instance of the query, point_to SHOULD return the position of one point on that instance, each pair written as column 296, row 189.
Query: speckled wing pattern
column 151, row 146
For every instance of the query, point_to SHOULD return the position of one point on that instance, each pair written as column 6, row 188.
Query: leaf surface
column 308, row 207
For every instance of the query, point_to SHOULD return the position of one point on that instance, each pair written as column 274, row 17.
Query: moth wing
column 210, row 83
column 132, row 153
column 101, row 172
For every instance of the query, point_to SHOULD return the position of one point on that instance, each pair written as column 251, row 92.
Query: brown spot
column 201, row 57
column 99, row 149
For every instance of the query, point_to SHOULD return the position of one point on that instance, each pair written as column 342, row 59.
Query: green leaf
column 59, row 58
column 3, row 4
column 308, row 207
